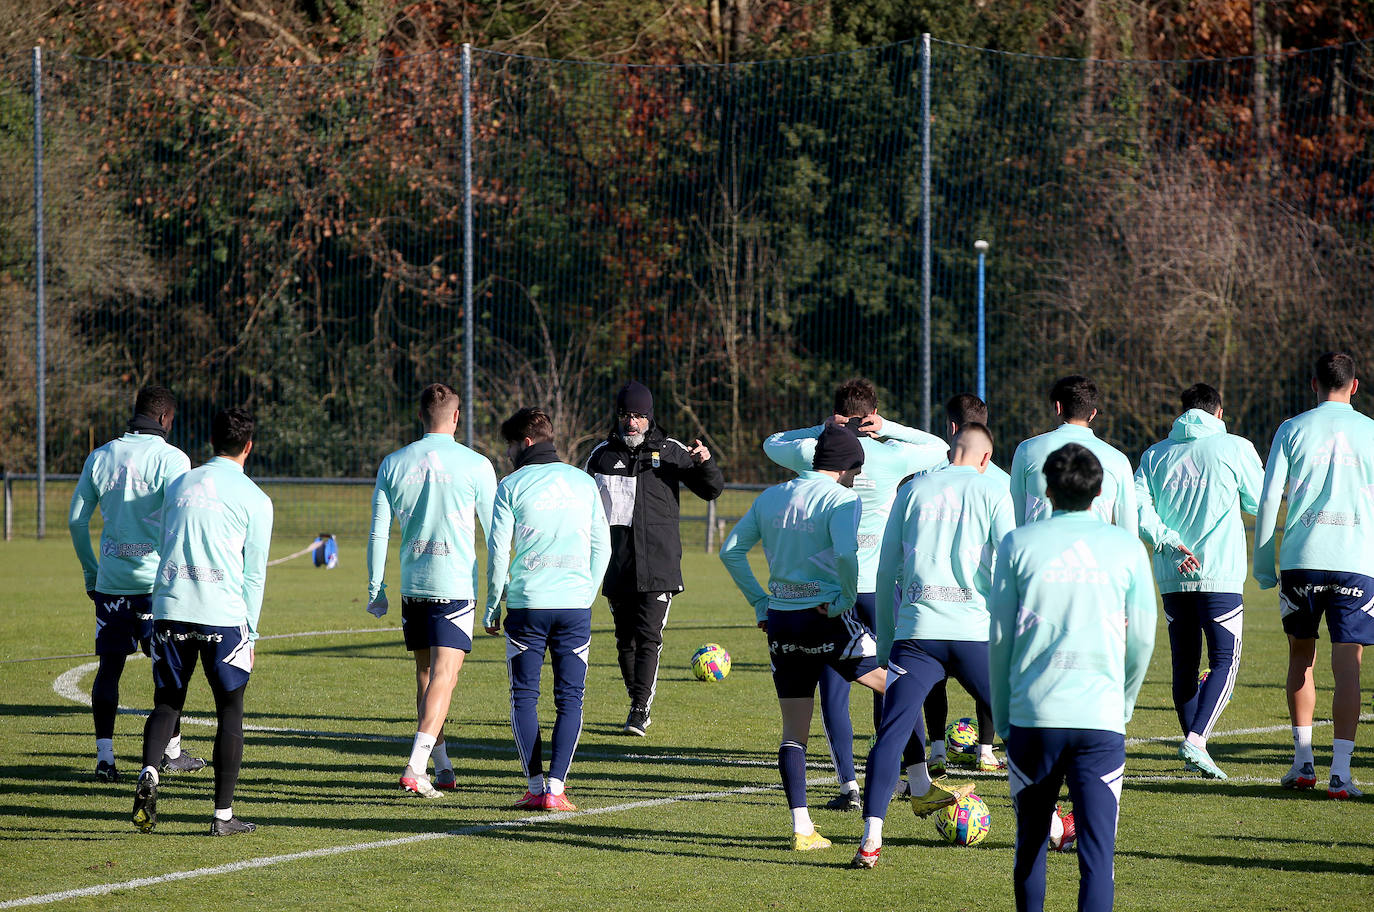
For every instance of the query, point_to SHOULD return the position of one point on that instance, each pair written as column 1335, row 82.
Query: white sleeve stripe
column 587, row 466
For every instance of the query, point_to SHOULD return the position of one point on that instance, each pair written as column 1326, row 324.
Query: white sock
column 985, row 752
column 536, row 785
column 173, row 749
column 851, row 786
column 104, row 750
column 150, row 769
column 556, row 786
column 1341, row 750
column 419, row 753
column 919, row 777
column 801, row 821
column 1302, row 745
column 224, row 813
column 439, row 754
column 937, row 748
column 873, row 831
column 1198, row 741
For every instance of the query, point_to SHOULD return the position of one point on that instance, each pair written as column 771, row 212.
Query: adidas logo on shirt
column 429, row 469
column 1077, row 564
column 558, row 495
column 203, row 495
column 1185, row 475
column 1338, row 452
column 619, row 464
column 946, row 507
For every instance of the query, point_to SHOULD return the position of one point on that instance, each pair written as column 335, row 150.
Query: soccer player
column 436, row 488
column 639, row 470
column 1199, row 480
column 1072, row 628
column 962, row 409
column 1075, row 402
column 891, row 453
column 216, row 529
column 937, row 553
column 809, row 530
column 127, row 479
column 549, row 581
column 1325, row 457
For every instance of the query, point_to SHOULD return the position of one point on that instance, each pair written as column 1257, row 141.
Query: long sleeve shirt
column 437, row 489
column 1073, row 625
column 216, row 530
column 1116, row 504
column 127, row 479
column 1325, row 459
column 888, row 459
column 809, row 529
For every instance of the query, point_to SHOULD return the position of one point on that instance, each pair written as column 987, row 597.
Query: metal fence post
column 9, row 506
column 468, row 321
column 925, row 232
column 40, row 304
column 710, row 525
column 981, row 246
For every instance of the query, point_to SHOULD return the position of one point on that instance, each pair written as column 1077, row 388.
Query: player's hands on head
column 378, row 606
column 698, row 452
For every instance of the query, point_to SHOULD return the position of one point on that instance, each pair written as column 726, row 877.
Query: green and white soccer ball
column 711, row 662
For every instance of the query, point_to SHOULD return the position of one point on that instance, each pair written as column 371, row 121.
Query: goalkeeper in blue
column 1072, row 628
column 809, row 530
column 1199, row 480
column 1325, row 459
column 548, row 580
column 937, row 558
column 892, row 452
column 126, row 479
column 437, row 489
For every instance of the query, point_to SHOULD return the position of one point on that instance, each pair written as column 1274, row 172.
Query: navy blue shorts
column 224, row 652
column 426, row 623
column 123, row 624
column 1346, row 600
column 802, row 643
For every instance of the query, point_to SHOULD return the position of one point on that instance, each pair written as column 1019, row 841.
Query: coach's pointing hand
column 698, row 452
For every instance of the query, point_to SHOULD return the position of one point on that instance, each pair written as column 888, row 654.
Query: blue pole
column 468, row 321
column 982, row 247
column 40, row 296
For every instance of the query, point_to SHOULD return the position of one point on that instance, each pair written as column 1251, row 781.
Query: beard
column 632, row 440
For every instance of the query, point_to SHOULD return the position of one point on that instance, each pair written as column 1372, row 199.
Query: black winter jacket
column 639, row 489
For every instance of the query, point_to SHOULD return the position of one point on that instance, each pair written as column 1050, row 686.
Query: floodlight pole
column 981, row 246
column 925, row 232
column 468, row 321
column 40, row 303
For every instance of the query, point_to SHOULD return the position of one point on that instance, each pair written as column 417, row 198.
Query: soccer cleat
column 994, row 765
column 231, row 827
column 1191, row 753
column 1068, row 834
column 1299, row 777
column 419, row 785
column 902, row 790
column 145, row 803
column 446, row 780
column 867, row 856
column 558, row 802
column 531, row 802
column 940, row 795
column 181, row 763
column 106, row 772
column 937, row 765
column 845, row 801
column 1342, row 789
column 809, row 842
column 637, row 722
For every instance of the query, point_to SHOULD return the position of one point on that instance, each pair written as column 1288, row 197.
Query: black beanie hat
column 635, row 397
column 837, row 449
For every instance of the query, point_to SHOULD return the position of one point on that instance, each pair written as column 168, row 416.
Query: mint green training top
column 1073, row 625
column 888, row 459
column 1199, row 480
column 216, row 529
column 436, row 488
column 562, row 541
column 1116, row 504
column 809, row 528
column 937, row 557
column 127, row 479
column 1325, row 457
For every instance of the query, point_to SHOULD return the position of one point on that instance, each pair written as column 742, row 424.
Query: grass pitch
column 691, row 815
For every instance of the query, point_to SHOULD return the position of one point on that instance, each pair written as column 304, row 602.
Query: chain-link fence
column 738, row 237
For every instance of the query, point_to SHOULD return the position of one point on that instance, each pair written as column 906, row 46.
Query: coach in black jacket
column 638, row 469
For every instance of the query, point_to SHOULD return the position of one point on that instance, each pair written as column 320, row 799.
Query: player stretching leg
column 436, row 488
column 938, row 552
column 891, row 452
column 809, row 530
column 1072, row 628
column 216, row 530
column 1198, row 481
column 127, row 479
column 559, row 559
column 1325, row 456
